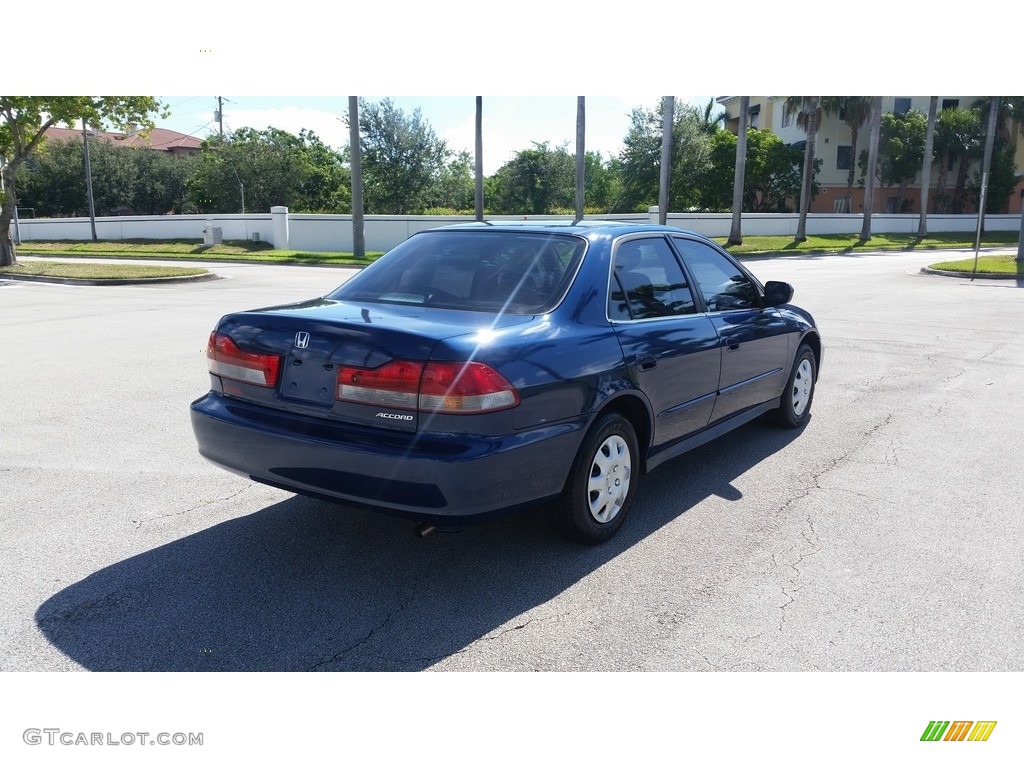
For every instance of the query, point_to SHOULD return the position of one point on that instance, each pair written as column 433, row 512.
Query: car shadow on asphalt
column 307, row 585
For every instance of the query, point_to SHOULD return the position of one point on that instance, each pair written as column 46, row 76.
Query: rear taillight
column 433, row 387
column 465, row 388
column 227, row 360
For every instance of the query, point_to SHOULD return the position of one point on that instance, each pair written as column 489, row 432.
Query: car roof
column 567, row 226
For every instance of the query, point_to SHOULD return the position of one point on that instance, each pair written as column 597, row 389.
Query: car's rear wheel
column 795, row 408
column 600, row 487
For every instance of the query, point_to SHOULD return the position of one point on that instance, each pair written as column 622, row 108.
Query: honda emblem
column 301, row 339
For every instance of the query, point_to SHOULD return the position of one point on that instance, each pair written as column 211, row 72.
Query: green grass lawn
column 232, row 250
column 88, row 271
column 786, row 246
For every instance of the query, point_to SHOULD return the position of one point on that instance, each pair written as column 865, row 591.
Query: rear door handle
column 646, row 362
column 731, row 343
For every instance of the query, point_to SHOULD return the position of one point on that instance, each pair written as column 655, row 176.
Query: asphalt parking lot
column 885, row 536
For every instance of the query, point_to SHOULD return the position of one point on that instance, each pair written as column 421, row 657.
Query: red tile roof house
column 160, row 139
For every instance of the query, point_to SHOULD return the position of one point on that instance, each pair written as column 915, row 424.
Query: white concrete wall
column 321, row 232
column 719, row 224
column 233, row 226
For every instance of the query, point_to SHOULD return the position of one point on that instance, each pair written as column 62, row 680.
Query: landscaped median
column 1002, row 266
column 89, row 273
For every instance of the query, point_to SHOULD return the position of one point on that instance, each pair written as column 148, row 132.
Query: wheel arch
column 634, row 407
column 813, row 340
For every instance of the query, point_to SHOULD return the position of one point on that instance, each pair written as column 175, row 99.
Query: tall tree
column 581, row 156
column 273, row 167
column 808, row 109
column 735, row 232
column 401, row 157
column 639, row 162
column 536, row 181
column 901, row 151
column 926, row 165
column 23, row 127
column 771, row 177
column 869, row 189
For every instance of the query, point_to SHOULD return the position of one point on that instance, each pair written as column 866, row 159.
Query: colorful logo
column 958, row 730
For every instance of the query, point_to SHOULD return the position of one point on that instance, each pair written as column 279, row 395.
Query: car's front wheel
column 795, row 407
column 600, row 486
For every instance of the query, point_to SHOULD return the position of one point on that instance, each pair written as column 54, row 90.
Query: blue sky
column 511, row 123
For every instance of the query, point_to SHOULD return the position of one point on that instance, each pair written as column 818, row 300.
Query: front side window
column 648, row 282
column 500, row 271
column 723, row 285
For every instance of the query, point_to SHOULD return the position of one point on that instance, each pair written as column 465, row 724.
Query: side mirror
column 777, row 292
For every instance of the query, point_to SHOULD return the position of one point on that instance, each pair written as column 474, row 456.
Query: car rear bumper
column 426, row 477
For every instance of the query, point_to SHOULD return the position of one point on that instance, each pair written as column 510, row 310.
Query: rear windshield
column 508, row 272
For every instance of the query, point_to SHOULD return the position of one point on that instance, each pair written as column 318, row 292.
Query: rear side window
column 511, row 272
column 648, row 282
column 723, row 284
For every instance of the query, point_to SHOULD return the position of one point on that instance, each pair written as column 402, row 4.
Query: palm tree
column 957, row 135
column 358, row 241
column 807, row 109
column 581, row 159
column 709, row 121
column 479, row 191
column 735, row 233
column 926, row 165
column 855, row 111
column 869, row 187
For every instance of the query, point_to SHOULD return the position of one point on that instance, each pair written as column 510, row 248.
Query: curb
column 969, row 275
column 110, row 281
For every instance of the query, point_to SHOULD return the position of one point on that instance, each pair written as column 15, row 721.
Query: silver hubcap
column 803, row 382
column 610, row 471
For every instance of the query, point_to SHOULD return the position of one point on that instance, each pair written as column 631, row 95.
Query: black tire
column 608, row 457
column 795, row 407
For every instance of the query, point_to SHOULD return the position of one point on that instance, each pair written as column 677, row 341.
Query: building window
column 787, row 118
column 753, row 113
column 950, row 104
column 841, row 204
column 844, row 157
column 901, row 106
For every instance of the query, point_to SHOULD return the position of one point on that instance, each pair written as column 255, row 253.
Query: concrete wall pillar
column 279, row 213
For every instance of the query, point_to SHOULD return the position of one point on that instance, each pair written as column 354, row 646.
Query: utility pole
column 88, row 180
column 358, row 236
column 220, row 115
column 667, row 122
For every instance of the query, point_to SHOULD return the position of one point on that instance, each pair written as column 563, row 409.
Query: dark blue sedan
column 480, row 368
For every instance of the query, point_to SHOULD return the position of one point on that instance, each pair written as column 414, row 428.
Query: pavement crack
column 138, row 522
column 365, row 638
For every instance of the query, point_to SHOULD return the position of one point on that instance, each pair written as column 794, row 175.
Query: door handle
column 731, row 343
column 646, row 362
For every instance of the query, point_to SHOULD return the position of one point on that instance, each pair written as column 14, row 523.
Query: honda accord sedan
column 482, row 368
